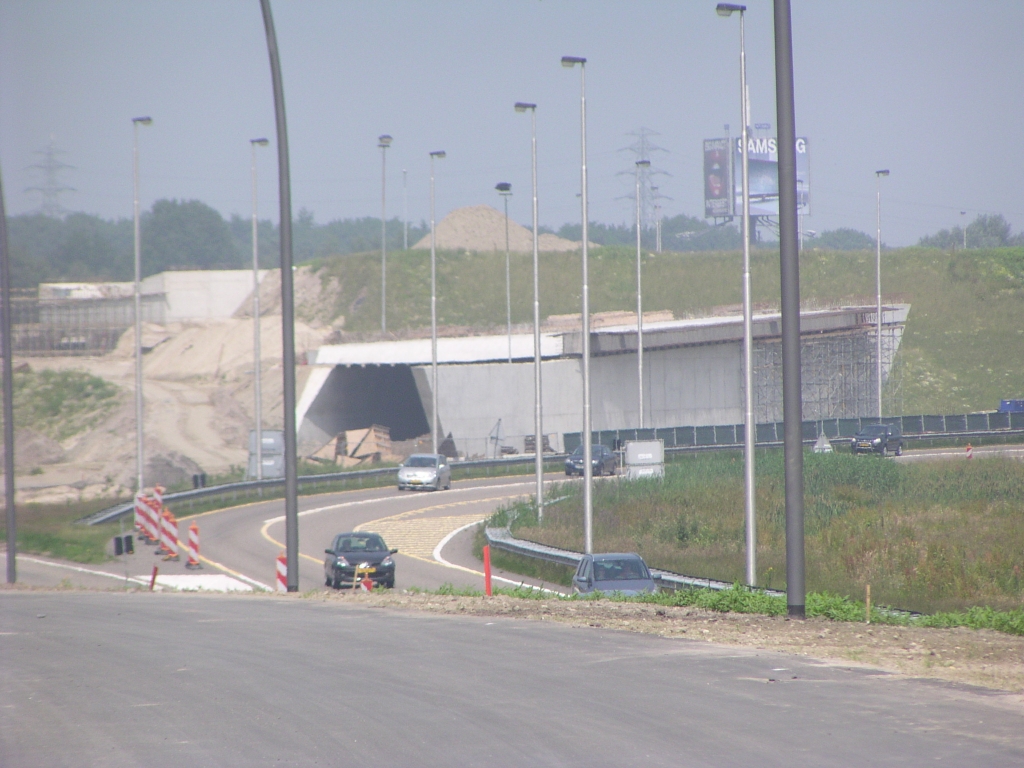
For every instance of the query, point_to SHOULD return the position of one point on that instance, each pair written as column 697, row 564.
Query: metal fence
column 913, row 428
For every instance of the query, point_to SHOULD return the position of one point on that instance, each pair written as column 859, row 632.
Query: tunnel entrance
column 357, row 397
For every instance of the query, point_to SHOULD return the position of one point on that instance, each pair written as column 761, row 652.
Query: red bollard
column 152, row 580
column 487, row 569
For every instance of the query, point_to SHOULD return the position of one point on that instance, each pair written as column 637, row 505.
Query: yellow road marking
column 416, row 538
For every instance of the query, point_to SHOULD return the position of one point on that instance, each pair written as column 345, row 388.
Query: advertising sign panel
column 763, row 163
column 718, row 194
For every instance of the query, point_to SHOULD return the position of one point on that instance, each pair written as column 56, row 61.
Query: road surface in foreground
column 258, row 680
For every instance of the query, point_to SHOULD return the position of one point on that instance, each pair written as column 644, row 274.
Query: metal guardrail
column 501, row 538
column 120, row 510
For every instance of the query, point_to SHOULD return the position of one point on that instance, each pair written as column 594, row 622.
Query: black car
column 365, row 551
column 602, row 460
column 878, row 438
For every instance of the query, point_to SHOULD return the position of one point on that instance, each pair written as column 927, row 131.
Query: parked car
column 602, row 460
column 626, row 574
column 365, row 551
column 425, row 470
column 878, row 438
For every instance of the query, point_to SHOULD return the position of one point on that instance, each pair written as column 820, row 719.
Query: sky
column 931, row 90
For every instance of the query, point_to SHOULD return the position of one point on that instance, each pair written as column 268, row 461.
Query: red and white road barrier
column 970, row 451
column 193, row 548
column 282, row 573
column 169, row 536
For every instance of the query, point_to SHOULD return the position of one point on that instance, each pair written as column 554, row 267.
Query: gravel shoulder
column 976, row 657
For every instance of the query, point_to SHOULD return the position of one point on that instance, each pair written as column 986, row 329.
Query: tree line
column 188, row 234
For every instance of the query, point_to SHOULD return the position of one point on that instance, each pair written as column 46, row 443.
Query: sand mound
column 482, row 228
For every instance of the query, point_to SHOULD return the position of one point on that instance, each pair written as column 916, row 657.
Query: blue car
column 624, row 573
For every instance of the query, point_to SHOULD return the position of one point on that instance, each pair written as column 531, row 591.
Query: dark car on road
column 603, row 461
column 878, row 438
column 365, row 551
column 622, row 573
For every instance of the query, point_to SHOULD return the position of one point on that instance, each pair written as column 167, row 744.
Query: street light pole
column 588, row 470
column 749, row 424
column 383, row 142
column 433, row 307
column 538, row 430
column 405, row 211
column 139, row 456
column 878, row 284
column 257, row 373
column 964, row 213
column 505, row 190
column 639, row 301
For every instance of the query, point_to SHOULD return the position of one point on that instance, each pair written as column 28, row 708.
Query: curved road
column 245, row 541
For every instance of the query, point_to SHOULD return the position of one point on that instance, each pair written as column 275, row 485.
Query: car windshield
column 361, row 542
column 421, row 461
column 625, row 569
column 595, row 450
column 873, row 429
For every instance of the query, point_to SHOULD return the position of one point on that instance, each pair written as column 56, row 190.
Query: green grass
column 61, row 403
column 931, row 537
column 50, row 530
column 740, row 599
column 959, row 353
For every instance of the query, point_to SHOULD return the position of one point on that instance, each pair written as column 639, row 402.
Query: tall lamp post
column 505, row 190
column 878, row 284
column 639, row 300
column 405, row 210
column 538, row 431
column 749, row 425
column 964, row 213
column 383, row 142
column 256, row 353
column 439, row 155
column 588, row 470
column 139, row 457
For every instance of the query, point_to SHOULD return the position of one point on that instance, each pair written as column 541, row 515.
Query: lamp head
column 503, row 188
column 259, row 142
column 727, row 9
column 571, row 61
column 384, row 141
column 522, row 106
column 439, row 154
column 643, row 163
column 142, row 120
column 882, row 173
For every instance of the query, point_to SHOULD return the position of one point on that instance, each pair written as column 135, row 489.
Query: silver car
column 425, row 470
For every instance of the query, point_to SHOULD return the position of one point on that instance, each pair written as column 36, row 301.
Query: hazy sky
column 931, row 90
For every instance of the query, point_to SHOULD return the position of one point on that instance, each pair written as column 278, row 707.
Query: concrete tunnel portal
column 357, row 397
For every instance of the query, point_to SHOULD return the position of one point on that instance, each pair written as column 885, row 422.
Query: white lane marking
column 440, row 559
column 91, row 571
column 201, row 582
column 383, row 499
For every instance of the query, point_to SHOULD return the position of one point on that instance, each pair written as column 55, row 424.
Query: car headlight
column 877, row 440
column 387, row 562
column 341, row 561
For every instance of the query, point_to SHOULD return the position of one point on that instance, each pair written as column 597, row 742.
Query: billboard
column 723, row 176
column 763, row 165
column 718, row 194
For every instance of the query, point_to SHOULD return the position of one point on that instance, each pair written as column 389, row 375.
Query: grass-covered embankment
column 961, row 351
column 946, row 536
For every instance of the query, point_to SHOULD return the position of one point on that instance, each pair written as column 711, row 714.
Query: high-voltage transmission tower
column 50, row 189
column 643, row 149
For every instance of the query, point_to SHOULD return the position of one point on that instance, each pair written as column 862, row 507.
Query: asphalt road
column 176, row 680
column 245, row 541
